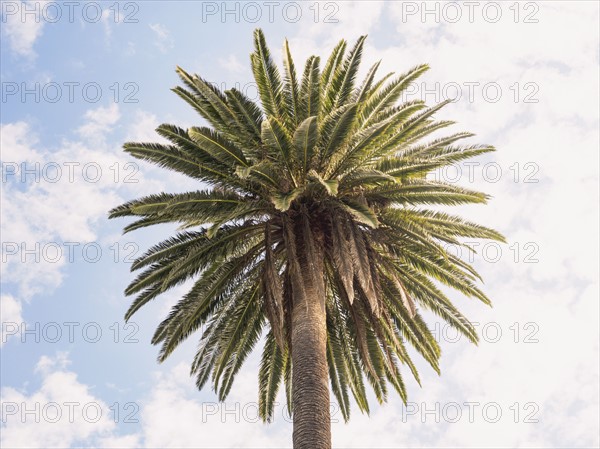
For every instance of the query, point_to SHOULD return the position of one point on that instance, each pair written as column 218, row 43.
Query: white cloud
column 99, row 122
column 69, row 194
column 46, row 364
column 164, row 41
column 231, row 64
column 129, row 49
column 108, row 21
column 62, row 413
column 18, row 144
column 10, row 312
column 176, row 415
column 61, row 206
column 23, row 24
column 173, row 415
column 143, row 128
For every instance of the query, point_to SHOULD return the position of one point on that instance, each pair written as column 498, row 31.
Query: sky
column 80, row 79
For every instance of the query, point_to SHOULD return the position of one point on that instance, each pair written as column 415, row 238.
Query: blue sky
column 525, row 78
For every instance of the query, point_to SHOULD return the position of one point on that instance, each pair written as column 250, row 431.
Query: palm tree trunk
column 310, row 388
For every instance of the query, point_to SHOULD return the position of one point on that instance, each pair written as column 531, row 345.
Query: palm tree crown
column 326, row 177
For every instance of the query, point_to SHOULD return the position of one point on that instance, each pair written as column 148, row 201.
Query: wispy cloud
column 23, row 30
column 163, row 41
column 231, row 64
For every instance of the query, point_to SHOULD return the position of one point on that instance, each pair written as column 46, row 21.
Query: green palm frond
column 310, row 92
column 325, row 178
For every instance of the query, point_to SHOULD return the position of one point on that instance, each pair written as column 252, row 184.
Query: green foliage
column 320, row 155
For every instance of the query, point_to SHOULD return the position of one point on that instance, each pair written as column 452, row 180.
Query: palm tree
column 310, row 225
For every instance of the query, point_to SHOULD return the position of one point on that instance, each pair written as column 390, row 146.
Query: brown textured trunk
column 310, row 375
